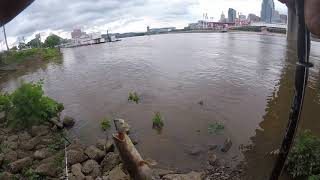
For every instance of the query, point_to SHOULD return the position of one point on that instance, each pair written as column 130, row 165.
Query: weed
column 157, row 121
column 215, row 128
column 134, row 97
column 105, row 124
column 30, row 174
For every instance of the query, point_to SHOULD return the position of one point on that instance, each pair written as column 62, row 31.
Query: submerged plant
column 134, row 97
column 157, row 121
column 216, row 128
column 105, row 124
column 304, row 158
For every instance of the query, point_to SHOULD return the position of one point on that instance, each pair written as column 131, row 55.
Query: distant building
column 276, row 17
column 232, row 15
column 223, row 18
column 253, row 18
column 160, row 30
column 209, row 25
column 283, row 18
column 242, row 17
column 267, row 11
column 76, row 33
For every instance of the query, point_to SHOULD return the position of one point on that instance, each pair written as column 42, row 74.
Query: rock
column 91, row 168
column 226, row 145
column 110, row 161
column 68, row 122
column 2, row 116
column 9, row 145
column 6, row 176
column 134, row 138
column 212, row 159
column 76, row 146
column 10, row 156
column 212, row 147
column 105, row 145
column 75, row 157
column 98, row 178
column 31, row 144
column 190, row 176
column 22, row 154
column 195, row 151
column 71, row 176
column 162, row 172
column 56, row 121
column 94, row 153
column 89, row 178
column 76, row 171
column 40, row 130
column 13, row 138
column 20, row 164
column 117, row 174
column 41, row 154
column 46, row 169
column 24, row 136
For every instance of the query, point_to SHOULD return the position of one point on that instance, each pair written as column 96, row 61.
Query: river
column 245, row 81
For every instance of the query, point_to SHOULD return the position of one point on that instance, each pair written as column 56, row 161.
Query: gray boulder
column 105, row 145
column 46, row 169
column 56, row 121
column 226, row 145
column 68, row 122
column 41, row 154
column 94, row 153
column 31, row 144
column 13, row 138
column 76, row 171
column 91, row 168
column 110, row 161
column 40, row 130
column 9, row 145
column 22, row 154
column 20, row 164
column 10, row 156
column 6, row 176
column 24, row 136
column 212, row 159
column 117, row 174
column 75, row 156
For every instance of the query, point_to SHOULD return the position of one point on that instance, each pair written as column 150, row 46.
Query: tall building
column 267, row 10
column 283, row 18
column 253, row 18
column 232, row 15
column 242, row 17
column 223, row 18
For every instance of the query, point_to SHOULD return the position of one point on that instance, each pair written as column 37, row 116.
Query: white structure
column 85, row 39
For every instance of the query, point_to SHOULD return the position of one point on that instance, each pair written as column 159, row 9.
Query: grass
column 16, row 57
column 157, row 121
column 216, row 128
column 105, row 124
column 134, row 97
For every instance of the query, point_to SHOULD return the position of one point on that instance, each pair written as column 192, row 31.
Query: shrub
column 30, row 106
column 5, row 102
column 215, row 128
column 157, row 121
column 30, row 174
column 304, row 158
column 134, row 97
column 105, row 124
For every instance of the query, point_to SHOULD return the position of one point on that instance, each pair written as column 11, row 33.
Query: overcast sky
column 61, row 16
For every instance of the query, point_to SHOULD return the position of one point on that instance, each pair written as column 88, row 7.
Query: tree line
column 50, row 42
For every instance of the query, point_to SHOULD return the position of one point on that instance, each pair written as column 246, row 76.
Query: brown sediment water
column 245, row 81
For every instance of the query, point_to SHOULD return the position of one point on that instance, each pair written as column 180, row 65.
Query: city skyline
column 117, row 16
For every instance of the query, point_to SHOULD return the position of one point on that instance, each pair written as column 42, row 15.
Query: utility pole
column 5, row 37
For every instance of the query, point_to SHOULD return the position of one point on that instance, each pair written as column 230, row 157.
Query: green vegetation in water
column 16, row 57
column 157, row 121
column 134, row 97
column 304, row 157
column 105, row 124
column 216, row 128
column 28, row 106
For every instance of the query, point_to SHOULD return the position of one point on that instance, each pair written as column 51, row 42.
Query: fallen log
column 132, row 160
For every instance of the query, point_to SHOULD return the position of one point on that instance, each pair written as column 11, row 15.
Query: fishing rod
column 301, row 78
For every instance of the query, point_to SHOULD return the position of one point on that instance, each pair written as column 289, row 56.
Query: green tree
column 22, row 46
column 35, row 43
column 14, row 48
column 52, row 41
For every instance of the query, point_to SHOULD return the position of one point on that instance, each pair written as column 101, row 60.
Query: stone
column 31, row 144
column 46, row 169
column 76, row 171
column 105, row 145
column 94, row 153
column 110, row 161
column 98, row 178
column 40, row 130
column 56, row 121
column 75, row 157
column 212, row 147
column 212, row 159
column 10, row 156
column 89, row 178
column 6, row 176
column 134, row 139
column 195, row 151
column 13, row 138
column 226, row 145
column 117, row 174
column 41, row 154
column 162, row 172
column 71, row 176
column 22, row 154
column 190, row 176
column 91, row 168
column 2, row 116
column 10, row 145
column 68, row 122
column 20, row 164
column 24, row 136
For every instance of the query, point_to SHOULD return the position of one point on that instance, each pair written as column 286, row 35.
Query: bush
column 5, row 102
column 105, row 124
column 157, row 121
column 304, row 158
column 30, row 107
column 134, row 97
column 215, row 128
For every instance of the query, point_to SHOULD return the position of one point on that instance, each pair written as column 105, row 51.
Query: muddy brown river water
column 244, row 80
